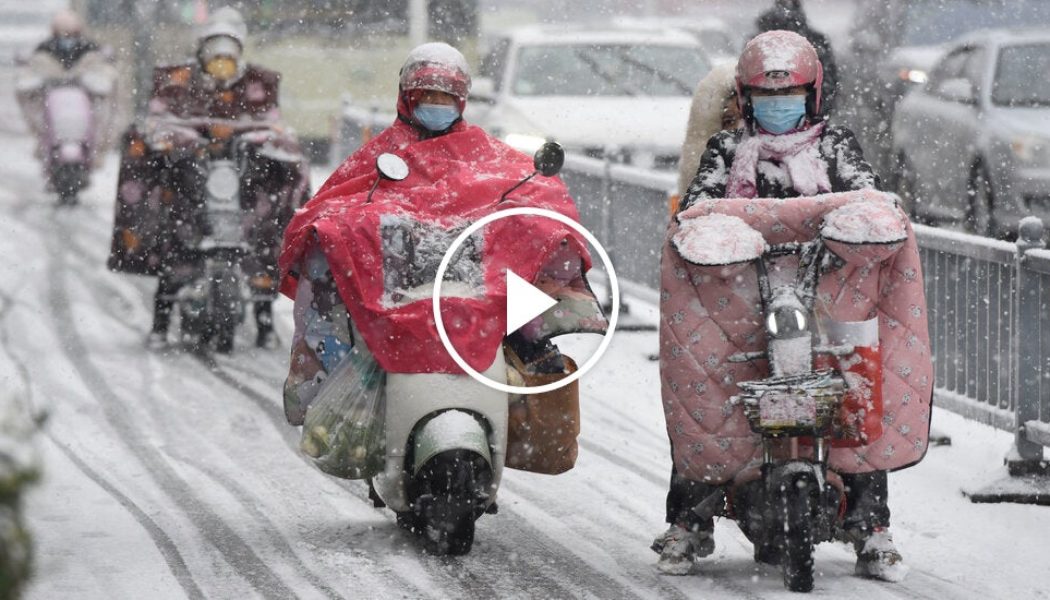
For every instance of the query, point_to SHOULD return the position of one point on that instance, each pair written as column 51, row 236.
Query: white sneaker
column 878, row 558
column 679, row 549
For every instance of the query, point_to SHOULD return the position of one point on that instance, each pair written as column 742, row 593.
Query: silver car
column 972, row 145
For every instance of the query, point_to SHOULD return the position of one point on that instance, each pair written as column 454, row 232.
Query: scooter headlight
column 786, row 321
column 223, row 183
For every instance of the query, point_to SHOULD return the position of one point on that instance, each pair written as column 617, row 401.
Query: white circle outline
column 517, row 389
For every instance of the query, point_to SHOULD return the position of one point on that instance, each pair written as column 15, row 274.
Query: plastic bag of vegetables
column 343, row 426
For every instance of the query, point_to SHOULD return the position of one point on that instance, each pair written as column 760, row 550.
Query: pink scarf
column 798, row 152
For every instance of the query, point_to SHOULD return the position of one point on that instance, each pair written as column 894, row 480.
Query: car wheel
column 980, row 217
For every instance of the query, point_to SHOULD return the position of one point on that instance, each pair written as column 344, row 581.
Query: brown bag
column 542, row 428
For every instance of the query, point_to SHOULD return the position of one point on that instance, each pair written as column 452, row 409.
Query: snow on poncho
column 706, row 319
column 455, row 179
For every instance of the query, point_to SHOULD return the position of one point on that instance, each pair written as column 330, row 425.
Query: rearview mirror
column 391, row 167
column 958, row 90
column 549, row 159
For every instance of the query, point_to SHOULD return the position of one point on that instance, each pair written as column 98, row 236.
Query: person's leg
column 163, row 303
column 264, row 324
column 689, row 535
column 867, row 526
column 162, row 307
column 866, row 501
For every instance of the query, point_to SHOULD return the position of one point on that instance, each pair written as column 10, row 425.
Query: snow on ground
column 168, row 477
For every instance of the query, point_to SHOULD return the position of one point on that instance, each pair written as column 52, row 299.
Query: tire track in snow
column 551, row 589
column 164, row 544
column 102, row 292
column 239, row 554
column 277, row 417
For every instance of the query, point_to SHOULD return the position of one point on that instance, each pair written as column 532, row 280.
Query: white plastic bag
column 343, row 431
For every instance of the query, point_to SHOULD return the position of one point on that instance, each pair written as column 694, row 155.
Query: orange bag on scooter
column 859, row 419
column 542, row 428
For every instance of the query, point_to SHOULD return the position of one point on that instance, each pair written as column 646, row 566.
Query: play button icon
column 525, row 302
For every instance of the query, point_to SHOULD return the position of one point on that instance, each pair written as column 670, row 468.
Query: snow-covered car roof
column 1006, row 36
column 557, row 34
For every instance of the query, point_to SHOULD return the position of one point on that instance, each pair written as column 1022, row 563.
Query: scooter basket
column 792, row 405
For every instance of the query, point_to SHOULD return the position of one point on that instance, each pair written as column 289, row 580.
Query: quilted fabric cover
column 706, row 317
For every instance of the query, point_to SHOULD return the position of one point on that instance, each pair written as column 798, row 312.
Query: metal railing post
column 607, row 221
column 1027, row 454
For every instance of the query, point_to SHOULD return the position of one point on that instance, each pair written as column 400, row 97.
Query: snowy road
column 168, row 476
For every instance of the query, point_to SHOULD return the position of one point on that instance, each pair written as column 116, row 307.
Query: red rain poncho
column 455, row 179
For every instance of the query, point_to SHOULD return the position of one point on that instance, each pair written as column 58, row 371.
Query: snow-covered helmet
column 226, row 21
column 777, row 60
column 66, row 23
column 435, row 66
column 220, row 41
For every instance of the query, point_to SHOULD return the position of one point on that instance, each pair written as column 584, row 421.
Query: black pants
column 866, row 496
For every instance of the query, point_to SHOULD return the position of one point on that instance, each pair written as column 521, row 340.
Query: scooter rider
column 67, row 43
column 432, row 94
column 787, row 149
column 68, row 55
column 219, row 84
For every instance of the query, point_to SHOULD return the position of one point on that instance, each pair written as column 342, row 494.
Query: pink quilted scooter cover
column 708, row 314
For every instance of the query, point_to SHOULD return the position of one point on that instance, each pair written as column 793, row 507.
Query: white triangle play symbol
column 525, row 302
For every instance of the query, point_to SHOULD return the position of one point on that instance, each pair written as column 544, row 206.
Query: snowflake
column 678, row 317
column 915, row 311
column 700, row 388
column 665, row 296
column 698, row 415
column 723, row 302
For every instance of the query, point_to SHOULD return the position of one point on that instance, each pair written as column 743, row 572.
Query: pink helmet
column 776, row 60
column 434, row 66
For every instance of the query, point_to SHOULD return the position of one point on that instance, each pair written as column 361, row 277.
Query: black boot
column 158, row 337
column 266, row 337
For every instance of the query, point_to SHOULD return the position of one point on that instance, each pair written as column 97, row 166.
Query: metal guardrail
column 991, row 347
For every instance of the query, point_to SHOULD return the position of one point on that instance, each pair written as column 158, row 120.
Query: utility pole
column 417, row 21
column 144, row 21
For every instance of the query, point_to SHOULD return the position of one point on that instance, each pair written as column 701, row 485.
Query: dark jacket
column 790, row 17
column 67, row 53
column 186, row 92
column 847, row 169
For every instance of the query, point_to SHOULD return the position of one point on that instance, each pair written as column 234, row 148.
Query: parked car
column 972, row 145
column 894, row 44
column 718, row 40
column 618, row 91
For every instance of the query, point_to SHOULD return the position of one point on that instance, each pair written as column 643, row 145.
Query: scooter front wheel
column 450, row 485
column 796, row 560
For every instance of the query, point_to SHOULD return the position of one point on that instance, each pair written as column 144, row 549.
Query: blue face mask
column 435, row 117
column 779, row 114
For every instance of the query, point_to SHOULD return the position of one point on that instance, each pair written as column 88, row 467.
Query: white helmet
column 226, row 22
